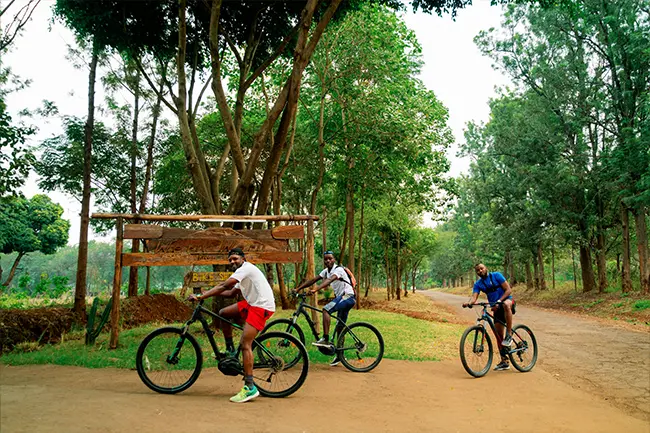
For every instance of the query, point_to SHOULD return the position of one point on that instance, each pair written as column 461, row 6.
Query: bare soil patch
column 47, row 324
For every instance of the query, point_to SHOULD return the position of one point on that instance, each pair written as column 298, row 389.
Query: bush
column 642, row 304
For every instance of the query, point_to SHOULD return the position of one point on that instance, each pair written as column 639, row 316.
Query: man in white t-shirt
column 344, row 297
column 256, row 308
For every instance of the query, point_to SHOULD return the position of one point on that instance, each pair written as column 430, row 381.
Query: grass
column 642, row 304
column 405, row 338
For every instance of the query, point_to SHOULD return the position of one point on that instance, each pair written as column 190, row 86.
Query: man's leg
column 507, row 306
column 229, row 312
column 504, row 364
column 326, row 323
column 249, row 391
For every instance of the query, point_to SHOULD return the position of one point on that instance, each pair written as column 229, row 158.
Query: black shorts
column 500, row 314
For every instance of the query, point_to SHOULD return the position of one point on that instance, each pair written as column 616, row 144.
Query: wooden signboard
column 181, row 247
column 195, row 281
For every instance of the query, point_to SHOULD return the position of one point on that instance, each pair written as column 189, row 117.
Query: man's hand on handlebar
column 193, row 298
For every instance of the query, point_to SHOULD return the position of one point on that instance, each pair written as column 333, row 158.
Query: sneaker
column 507, row 341
column 503, row 365
column 245, row 394
column 322, row 343
column 336, row 361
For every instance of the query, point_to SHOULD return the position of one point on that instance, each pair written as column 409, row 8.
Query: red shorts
column 255, row 316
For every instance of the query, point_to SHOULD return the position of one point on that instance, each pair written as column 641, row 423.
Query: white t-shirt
column 340, row 286
column 254, row 287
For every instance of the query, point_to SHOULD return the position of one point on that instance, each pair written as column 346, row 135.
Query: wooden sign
column 204, row 279
column 180, row 247
column 187, row 259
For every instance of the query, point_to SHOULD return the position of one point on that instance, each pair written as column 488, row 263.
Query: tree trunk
column 360, row 261
column 529, row 276
column 626, row 279
column 588, row 279
column 398, row 276
column 642, row 247
column 536, row 271
column 147, row 287
column 601, row 262
column 575, row 276
column 553, row 265
column 323, row 225
column 12, row 272
column 82, row 258
column 135, row 243
column 540, row 259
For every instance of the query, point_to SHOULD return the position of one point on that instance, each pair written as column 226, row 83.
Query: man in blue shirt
column 497, row 289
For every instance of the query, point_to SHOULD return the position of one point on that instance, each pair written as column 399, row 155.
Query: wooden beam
column 288, row 232
column 142, row 231
column 183, row 259
column 215, row 218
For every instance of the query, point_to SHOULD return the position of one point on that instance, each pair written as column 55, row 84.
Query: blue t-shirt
column 491, row 286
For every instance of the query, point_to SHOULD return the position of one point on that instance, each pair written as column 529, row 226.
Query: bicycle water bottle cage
column 230, row 366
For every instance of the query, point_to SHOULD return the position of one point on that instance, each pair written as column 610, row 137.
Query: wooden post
column 311, row 270
column 117, row 283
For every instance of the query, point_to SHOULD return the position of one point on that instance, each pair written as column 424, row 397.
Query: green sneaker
column 245, row 394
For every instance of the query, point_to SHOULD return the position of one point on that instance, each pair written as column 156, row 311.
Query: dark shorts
column 254, row 316
column 500, row 314
column 341, row 305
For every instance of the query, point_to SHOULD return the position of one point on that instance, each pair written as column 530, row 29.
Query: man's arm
column 507, row 291
column 309, row 283
column 219, row 289
column 324, row 284
column 473, row 300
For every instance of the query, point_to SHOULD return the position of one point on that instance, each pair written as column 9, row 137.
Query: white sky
column 453, row 68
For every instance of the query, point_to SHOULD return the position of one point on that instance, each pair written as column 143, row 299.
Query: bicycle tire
column 524, row 337
column 153, row 364
column 369, row 343
column 285, row 325
column 270, row 372
column 475, row 332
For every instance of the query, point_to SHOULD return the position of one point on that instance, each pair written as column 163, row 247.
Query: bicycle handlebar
column 484, row 304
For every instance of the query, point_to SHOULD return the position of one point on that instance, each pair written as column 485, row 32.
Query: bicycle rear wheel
column 524, row 353
column 360, row 347
column 280, row 364
column 169, row 362
column 473, row 354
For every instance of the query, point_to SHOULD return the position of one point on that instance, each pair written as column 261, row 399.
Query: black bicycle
column 169, row 359
column 360, row 346
column 476, row 350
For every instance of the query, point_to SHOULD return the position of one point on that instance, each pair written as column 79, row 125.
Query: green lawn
column 404, row 337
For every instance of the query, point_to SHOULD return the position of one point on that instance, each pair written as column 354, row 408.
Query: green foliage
column 29, row 225
column 641, row 305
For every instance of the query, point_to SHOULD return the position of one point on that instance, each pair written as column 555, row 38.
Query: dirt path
column 612, row 362
column 398, row 396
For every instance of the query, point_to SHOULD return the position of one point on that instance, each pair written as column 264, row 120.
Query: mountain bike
column 169, row 359
column 476, row 350
column 359, row 346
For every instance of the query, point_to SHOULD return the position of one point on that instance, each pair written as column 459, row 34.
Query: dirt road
column 588, row 354
column 398, row 396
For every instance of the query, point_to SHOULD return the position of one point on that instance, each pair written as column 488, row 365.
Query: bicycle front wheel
column 168, row 361
column 523, row 352
column 286, row 325
column 280, row 364
column 476, row 351
column 360, row 347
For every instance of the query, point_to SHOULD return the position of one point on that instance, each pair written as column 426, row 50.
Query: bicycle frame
column 198, row 316
column 302, row 310
column 490, row 319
